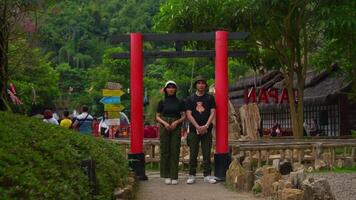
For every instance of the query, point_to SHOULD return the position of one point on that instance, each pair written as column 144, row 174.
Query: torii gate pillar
column 136, row 155
column 221, row 158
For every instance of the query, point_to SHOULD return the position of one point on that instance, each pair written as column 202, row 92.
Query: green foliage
column 33, row 75
column 42, row 161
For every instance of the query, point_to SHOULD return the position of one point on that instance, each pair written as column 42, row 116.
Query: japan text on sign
column 111, row 100
column 113, row 108
column 110, row 93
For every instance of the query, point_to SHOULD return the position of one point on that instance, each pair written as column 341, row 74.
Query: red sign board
column 267, row 96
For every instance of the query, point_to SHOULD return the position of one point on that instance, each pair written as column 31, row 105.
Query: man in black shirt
column 200, row 112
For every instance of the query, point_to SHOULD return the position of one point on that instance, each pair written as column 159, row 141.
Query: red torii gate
column 136, row 155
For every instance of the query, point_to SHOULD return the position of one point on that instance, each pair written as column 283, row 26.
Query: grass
column 338, row 170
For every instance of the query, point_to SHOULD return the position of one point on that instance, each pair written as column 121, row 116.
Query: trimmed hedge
column 42, row 161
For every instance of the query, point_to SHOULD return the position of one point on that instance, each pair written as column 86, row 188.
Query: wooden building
column 325, row 100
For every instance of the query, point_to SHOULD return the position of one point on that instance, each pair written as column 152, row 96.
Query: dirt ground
column 155, row 189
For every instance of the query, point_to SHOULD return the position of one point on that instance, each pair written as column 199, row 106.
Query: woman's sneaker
column 168, row 181
column 191, row 179
column 174, row 182
column 209, row 179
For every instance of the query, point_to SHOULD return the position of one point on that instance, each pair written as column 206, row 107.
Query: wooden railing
column 265, row 150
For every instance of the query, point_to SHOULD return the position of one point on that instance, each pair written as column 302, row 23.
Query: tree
column 13, row 14
column 285, row 30
column 34, row 76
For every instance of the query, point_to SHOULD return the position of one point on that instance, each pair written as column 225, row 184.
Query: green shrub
column 42, row 161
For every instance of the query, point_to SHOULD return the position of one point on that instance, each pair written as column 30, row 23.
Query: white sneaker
column 209, row 179
column 174, row 182
column 168, row 181
column 191, row 179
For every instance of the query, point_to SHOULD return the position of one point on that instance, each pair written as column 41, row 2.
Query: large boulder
column 291, row 194
column 317, row 189
column 236, row 176
column 270, row 175
column 279, row 186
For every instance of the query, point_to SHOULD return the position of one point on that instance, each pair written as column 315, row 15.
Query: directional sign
column 113, row 122
column 113, row 108
column 113, row 115
column 110, row 93
column 110, row 100
column 114, row 86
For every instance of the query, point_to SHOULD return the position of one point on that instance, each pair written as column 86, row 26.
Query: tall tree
column 287, row 30
column 12, row 15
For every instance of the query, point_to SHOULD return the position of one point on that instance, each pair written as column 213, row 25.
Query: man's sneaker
column 191, row 179
column 168, row 181
column 174, row 182
column 209, row 179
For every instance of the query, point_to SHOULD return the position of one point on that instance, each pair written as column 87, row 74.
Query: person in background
column 95, row 128
column 84, row 121
column 276, row 129
column 314, row 128
column 66, row 122
column 48, row 117
column 170, row 114
column 103, row 126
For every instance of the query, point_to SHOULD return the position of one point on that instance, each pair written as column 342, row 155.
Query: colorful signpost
column 112, row 105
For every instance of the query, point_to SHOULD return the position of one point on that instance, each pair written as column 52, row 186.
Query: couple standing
column 199, row 109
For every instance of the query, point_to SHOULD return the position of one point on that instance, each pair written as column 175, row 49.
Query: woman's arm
column 161, row 121
column 180, row 120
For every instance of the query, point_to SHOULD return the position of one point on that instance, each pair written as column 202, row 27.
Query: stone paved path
column 155, row 189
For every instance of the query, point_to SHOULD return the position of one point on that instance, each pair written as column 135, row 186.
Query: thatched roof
column 321, row 87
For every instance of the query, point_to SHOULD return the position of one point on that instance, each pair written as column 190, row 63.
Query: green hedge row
column 42, row 161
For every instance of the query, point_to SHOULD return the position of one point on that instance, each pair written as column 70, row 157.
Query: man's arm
column 191, row 119
column 211, row 117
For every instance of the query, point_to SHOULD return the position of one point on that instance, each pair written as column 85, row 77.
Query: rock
column 247, row 163
column 285, row 168
column 279, row 186
column 236, row 176
column 319, row 164
column 317, row 189
column 298, row 166
column 258, row 173
column 269, row 170
column 297, row 178
column 250, row 179
column 291, row 194
column 270, row 176
column 310, row 169
column 275, row 163
column 257, row 187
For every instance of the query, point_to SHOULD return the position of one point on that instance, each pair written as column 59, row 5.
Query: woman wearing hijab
column 170, row 114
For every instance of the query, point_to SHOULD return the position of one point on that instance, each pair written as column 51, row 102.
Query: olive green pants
column 205, row 141
column 169, row 150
